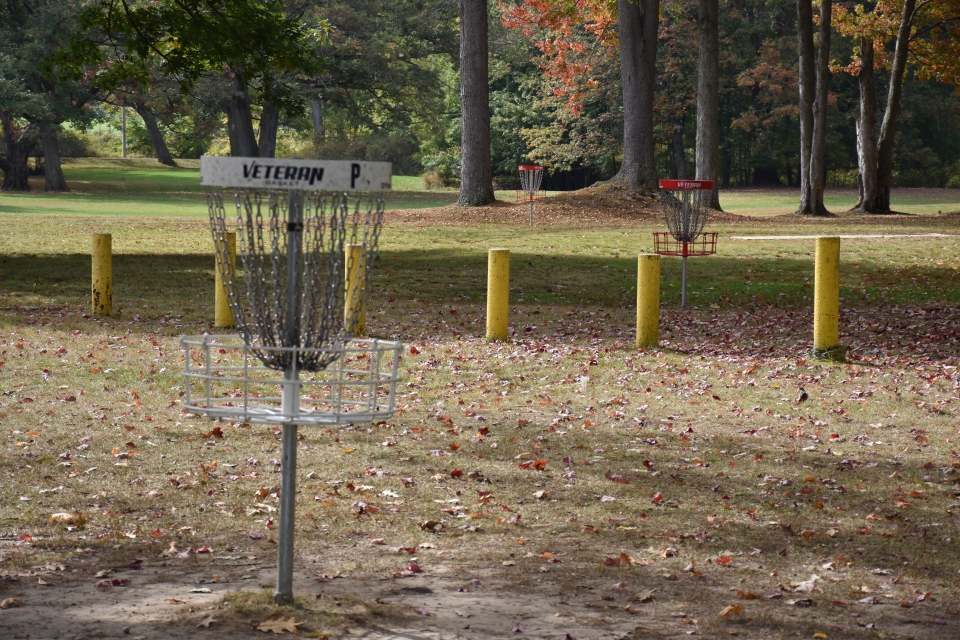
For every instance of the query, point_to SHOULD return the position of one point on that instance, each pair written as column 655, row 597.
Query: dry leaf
column 9, row 603
column 644, row 596
column 732, row 609
column 206, row 622
column 279, row 625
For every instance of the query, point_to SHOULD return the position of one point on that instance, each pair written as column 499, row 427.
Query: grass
column 776, row 202
column 692, row 454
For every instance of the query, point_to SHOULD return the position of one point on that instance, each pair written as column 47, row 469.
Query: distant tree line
column 746, row 92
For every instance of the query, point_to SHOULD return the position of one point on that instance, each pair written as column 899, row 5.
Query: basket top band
column 530, row 167
column 283, row 173
column 687, row 185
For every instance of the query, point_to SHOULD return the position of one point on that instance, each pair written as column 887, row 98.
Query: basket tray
column 226, row 380
column 665, row 244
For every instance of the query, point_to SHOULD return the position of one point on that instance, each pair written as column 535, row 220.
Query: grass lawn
column 563, row 482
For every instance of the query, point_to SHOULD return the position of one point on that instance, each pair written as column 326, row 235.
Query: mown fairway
column 591, row 488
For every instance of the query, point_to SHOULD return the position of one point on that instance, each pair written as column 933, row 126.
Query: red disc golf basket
column 531, row 176
column 686, row 205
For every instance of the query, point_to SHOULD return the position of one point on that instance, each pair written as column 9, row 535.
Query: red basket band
column 687, row 185
column 530, row 167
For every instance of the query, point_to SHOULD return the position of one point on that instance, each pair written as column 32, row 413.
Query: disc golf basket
column 530, row 178
column 308, row 234
column 686, row 205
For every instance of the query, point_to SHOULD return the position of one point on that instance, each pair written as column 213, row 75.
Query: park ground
column 560, row 484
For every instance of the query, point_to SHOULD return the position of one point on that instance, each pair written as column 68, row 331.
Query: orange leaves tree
column 891, row 36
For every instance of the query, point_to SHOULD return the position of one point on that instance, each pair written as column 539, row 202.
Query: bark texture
column 476, row 168
column 708, row 97
column 888, row 130
column 240, row 122
column 679, row 154
column 269, row 122
column 153, row 131
column 638, row 21
column 52, row 170
column 316, row 116
column 18, row 144
column 807, row 77
column 866, row 131
column 818, row 148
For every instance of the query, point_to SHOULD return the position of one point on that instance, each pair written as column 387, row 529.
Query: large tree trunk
column 638, row 21
column 316, row 116
column 867, row 131
column 708, row 98
column 240, row 122
column 269, row 123
column 53, row 172
column 818, row 170
column 18, row 144
column 153, row 130
column 888, row 130
column 679, row 153
column 807, row 91
column 476, row 168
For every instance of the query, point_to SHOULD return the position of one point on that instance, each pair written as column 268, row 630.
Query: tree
column 35, row 95
column 813, row 105
column 708, row 97
column 638, row 21
column 926, row 34
column 476, row 169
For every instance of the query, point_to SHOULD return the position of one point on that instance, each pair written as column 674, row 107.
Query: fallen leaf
column 279, row 626
column 209, row 620
column 9, row 603
column 730, row 610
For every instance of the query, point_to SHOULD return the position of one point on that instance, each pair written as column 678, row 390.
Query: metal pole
column 123, row 130
column 290, row 406
column 531, row 211
column 683, row 283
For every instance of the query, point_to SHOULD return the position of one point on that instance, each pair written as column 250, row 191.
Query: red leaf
column 414, row 351
column 456, row 473
column 616, row 477
column 657, row 498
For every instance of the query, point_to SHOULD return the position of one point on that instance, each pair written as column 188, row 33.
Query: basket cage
column 309, row 328
column 227, row 379
column 531, row 177
column 686, row 212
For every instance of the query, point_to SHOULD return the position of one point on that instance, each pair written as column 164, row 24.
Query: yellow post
column 498, row 293
column 355, row 303
column 826, row 296
column 223, row 315
column 102, row 272
column 648, row 300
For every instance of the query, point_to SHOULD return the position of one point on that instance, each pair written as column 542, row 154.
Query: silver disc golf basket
column 530, row 178
column 686, row 205
column 308, row 232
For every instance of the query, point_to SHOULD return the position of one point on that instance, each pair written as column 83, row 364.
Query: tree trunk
column 269, row 122
column 240, row 122
column 476, row 168
column 52, row 171
column 866, row 132
column 807, row 90
column 316, row 115
column 818, row 148
column 153, row 130
column 708, row 97
column 18, row 144
column 679, row 155
column 888, row 130
column 638, row 21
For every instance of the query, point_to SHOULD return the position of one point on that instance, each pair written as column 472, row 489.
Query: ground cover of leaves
column 561, row 483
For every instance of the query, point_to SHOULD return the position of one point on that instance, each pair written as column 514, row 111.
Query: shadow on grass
column 156, row 285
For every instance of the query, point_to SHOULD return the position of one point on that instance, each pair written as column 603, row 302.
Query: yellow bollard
column 498, row 293
column 102, row 272
column 223, row 314
column 826, row 298
column 355, row 303
column 648, row 300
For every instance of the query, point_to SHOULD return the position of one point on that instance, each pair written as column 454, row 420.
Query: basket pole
column 290, row 406
column 531, row 210
column 683, row 278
